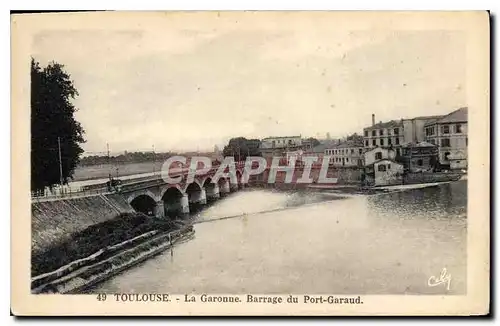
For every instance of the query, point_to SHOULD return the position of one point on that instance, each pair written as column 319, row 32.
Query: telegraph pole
column 60, row 162
column 109, row 162
column 154, row 160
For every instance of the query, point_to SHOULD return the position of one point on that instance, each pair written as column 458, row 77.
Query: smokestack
column 373, row 119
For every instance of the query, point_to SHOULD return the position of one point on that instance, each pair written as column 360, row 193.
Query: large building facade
column 383, row 134
column 396, row 133
column 450, row 135
column 279, row 146
column 348, row 153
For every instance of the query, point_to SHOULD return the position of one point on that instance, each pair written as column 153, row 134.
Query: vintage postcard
column 250, row 163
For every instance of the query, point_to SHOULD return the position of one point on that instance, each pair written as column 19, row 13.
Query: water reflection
column 316, row 243
column 446, row 201
column 252, row 201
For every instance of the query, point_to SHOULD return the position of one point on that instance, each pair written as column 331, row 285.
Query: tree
column 240, row 148
column 313, row 141
column 53, row 121
column 355, row 137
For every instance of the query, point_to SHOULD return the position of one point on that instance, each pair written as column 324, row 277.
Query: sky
column 182, row 83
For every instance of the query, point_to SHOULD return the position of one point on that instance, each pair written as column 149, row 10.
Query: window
column 397, row 141
column 446, row 129
column 445, row 142
column 420, row 162
column 458, row 128
column 466, row 141
column 381, row 132
column 378, row 156
column 396, row 131
column 381, row 168
column 352, row 150
column 388, row 166
column 366, row 143
column 432, row 141
column 374, row 133
column 274, row 143
column 361, row 150
column 429, row 131
column 374, row 142
column 347, row 159
column 389, row 141
column 388, row 132
column 381, row 142
column 366, row 133
column 446, row 156
column 289, row 142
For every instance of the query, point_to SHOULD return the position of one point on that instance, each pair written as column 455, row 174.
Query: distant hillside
column 133, row 157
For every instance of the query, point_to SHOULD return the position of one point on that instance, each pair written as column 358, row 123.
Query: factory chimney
column 373, row 119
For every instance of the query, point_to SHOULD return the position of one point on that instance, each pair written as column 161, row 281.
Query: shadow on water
column 440, row 201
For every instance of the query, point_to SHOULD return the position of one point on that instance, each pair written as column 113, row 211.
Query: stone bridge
column 155, row 197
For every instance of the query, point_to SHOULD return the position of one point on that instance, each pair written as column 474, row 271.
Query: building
column 414, row 128
column 278, row 146
column 449, row 133
column 347, row 153
column 384, row 172
column 419, row 157
column 307, row 145
column 395, row 133
column 377, row 154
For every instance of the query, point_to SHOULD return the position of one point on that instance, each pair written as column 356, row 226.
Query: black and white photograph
column 270, row 160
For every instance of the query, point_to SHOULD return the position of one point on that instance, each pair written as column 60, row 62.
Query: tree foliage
column 52, row 118
column 240, row 148
column 313, row 141
column 126, row 157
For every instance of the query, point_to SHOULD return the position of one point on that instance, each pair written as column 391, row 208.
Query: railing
column 68, row 192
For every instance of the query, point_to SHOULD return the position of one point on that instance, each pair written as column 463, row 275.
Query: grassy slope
column 93, row 238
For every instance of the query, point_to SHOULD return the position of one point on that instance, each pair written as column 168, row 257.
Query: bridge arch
column 145, row 192
column 239, row 177
column 144, row 203
column 175, row 186
column 211, row 188
column 173, row 201
column 224, row 185
column 196, row 196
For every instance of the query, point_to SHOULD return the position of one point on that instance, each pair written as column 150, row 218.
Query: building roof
column 324, row 145
column 421, row 144
column 426, row 117
column 459, row 115
column 384, row 159
column 347, row 144
column 281, row 137
column 388, row 124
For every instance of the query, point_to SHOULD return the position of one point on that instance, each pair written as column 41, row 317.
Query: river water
column 305, row 242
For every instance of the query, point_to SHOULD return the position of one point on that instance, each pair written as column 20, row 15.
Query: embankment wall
column 54, row 221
